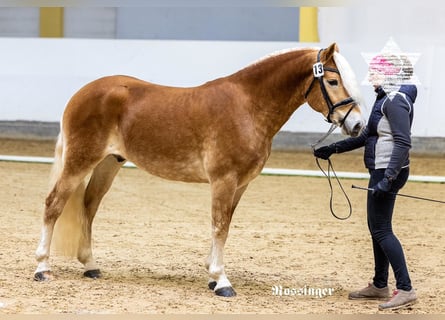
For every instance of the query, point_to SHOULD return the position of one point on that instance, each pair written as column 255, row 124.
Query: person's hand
column 325, row 152
column 382, row 188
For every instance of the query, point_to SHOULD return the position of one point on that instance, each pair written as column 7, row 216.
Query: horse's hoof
column 93, row 274
column 225, row 292
column 212, row 285
column 43, row 276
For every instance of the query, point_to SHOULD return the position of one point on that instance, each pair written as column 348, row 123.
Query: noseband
column 318, row 70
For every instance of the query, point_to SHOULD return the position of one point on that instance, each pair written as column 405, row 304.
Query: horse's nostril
column 356, row 130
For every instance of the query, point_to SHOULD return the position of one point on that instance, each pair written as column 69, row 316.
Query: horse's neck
column 276, row 87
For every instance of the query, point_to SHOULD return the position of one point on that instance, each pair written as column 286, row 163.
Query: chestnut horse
column 218, row 133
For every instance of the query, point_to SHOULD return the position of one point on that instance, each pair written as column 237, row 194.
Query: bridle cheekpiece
column 319, row 70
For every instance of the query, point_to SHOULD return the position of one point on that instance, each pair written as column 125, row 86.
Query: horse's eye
column 333, row 82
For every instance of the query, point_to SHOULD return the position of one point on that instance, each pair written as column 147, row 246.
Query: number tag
column 318, row 70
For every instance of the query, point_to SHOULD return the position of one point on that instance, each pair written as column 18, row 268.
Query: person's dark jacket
column 387, row 136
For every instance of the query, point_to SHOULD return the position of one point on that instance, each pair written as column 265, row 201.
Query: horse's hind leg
column 100, row 182
column 224, row 202
column 67, row 199
column 63, row 189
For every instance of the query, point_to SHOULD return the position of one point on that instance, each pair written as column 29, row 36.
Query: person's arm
column 352, row 143
column 342, row 145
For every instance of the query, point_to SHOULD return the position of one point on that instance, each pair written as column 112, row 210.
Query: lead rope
column 328, row 176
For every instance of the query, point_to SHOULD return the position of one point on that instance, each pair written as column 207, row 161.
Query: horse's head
column 334, row 92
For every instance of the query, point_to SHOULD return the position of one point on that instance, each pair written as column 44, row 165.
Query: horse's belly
column 185, row 170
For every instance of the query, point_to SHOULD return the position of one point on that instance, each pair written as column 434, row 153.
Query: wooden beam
column 309, row 24
column 51, row 22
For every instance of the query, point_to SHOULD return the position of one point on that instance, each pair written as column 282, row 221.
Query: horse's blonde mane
column 348, row 78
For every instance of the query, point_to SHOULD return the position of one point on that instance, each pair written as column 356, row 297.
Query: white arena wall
column 38, row 75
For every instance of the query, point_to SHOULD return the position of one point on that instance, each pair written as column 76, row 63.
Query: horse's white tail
column 70, row 226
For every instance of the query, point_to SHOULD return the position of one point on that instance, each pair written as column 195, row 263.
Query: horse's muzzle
column 357, row 129
column 353, row 126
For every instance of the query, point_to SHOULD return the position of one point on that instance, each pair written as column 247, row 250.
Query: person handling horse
column 387, row 141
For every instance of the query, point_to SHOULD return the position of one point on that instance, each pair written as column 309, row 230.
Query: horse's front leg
column 225, row 197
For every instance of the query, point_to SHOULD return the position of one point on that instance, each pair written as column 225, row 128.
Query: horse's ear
column 328, row 53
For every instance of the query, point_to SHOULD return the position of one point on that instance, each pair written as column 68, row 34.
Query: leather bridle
column 318, row 71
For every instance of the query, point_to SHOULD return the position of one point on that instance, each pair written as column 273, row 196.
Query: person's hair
column 398, row 67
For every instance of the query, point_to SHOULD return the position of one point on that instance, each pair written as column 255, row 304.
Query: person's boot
column 370, row 292
column 400, row 299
